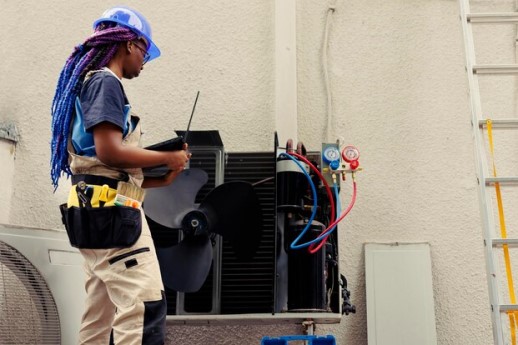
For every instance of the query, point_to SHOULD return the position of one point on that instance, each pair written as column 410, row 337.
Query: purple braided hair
column 95, row 53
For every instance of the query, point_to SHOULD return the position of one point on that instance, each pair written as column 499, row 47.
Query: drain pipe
column 285, row 71
column 325, row 71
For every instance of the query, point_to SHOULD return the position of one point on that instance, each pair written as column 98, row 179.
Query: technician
column 95, row 140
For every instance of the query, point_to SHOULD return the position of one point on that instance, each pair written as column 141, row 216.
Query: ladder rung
column 494, row 18
column 501, row 180
column 499, row 123
column 499, row 242
column 508, row 307
column 495, row 69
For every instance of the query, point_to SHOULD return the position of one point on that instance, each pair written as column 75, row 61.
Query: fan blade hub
column 195, row 223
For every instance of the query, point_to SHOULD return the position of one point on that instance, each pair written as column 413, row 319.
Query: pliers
column 82, row 194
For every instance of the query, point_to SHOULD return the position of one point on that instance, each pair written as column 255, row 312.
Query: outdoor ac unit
column 42, row 292
column 238, row 290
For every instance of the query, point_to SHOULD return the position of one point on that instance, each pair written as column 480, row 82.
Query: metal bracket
column 9, row 131
column 308, row 327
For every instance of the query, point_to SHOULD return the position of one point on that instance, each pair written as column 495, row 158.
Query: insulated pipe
column 325, row 62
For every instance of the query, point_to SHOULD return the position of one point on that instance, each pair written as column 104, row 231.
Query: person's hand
column 170, row 177
column 177, row 160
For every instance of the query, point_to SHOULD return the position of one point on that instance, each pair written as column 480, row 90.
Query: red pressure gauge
column 350, row 154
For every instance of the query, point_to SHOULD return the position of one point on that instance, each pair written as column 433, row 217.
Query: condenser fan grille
column 247, row 285
column 28, row 313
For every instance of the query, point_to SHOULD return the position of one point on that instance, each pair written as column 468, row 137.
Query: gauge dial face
column 350, row 153
column 331, row 154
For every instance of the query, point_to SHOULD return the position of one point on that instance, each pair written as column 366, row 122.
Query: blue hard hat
column 132, row 20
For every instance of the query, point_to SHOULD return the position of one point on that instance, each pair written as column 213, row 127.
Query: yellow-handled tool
column 103, row 197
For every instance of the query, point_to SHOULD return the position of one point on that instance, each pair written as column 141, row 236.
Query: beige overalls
column 123, row 285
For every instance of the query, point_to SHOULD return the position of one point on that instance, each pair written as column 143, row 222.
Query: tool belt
column 96, row 180
column 103, row 225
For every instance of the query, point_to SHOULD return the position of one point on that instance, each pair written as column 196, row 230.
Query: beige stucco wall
column 400, row 94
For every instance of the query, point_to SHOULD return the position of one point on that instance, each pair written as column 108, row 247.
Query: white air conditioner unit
column 41, row 287
column 254, row 290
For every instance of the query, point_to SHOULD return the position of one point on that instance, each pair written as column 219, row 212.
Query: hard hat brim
column 153, row 50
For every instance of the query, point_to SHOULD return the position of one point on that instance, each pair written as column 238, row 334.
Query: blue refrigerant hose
column 293, row 244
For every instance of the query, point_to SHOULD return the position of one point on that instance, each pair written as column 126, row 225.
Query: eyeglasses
column 144, row 52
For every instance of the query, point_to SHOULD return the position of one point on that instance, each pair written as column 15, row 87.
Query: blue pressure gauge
column 331, row 156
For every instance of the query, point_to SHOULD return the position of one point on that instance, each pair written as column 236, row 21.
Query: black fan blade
column 235, row 213
column 168, row 205
column 185, row 267
column 162, row 235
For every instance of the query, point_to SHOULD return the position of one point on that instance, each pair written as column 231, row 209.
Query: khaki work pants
column 124, row 295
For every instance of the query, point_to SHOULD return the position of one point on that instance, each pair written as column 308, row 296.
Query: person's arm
column 111, row 151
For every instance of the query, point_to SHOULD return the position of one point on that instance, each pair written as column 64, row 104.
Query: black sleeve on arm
column 102, row 99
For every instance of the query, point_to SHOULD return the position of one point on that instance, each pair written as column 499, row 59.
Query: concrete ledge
column 254, row 319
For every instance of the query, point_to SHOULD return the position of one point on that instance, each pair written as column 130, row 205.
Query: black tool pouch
column 102, row 227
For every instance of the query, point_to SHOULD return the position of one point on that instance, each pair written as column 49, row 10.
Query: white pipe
column 285, row 71
column 329, row 96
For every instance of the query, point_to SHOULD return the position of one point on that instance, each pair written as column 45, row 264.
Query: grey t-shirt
column 103, row 99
